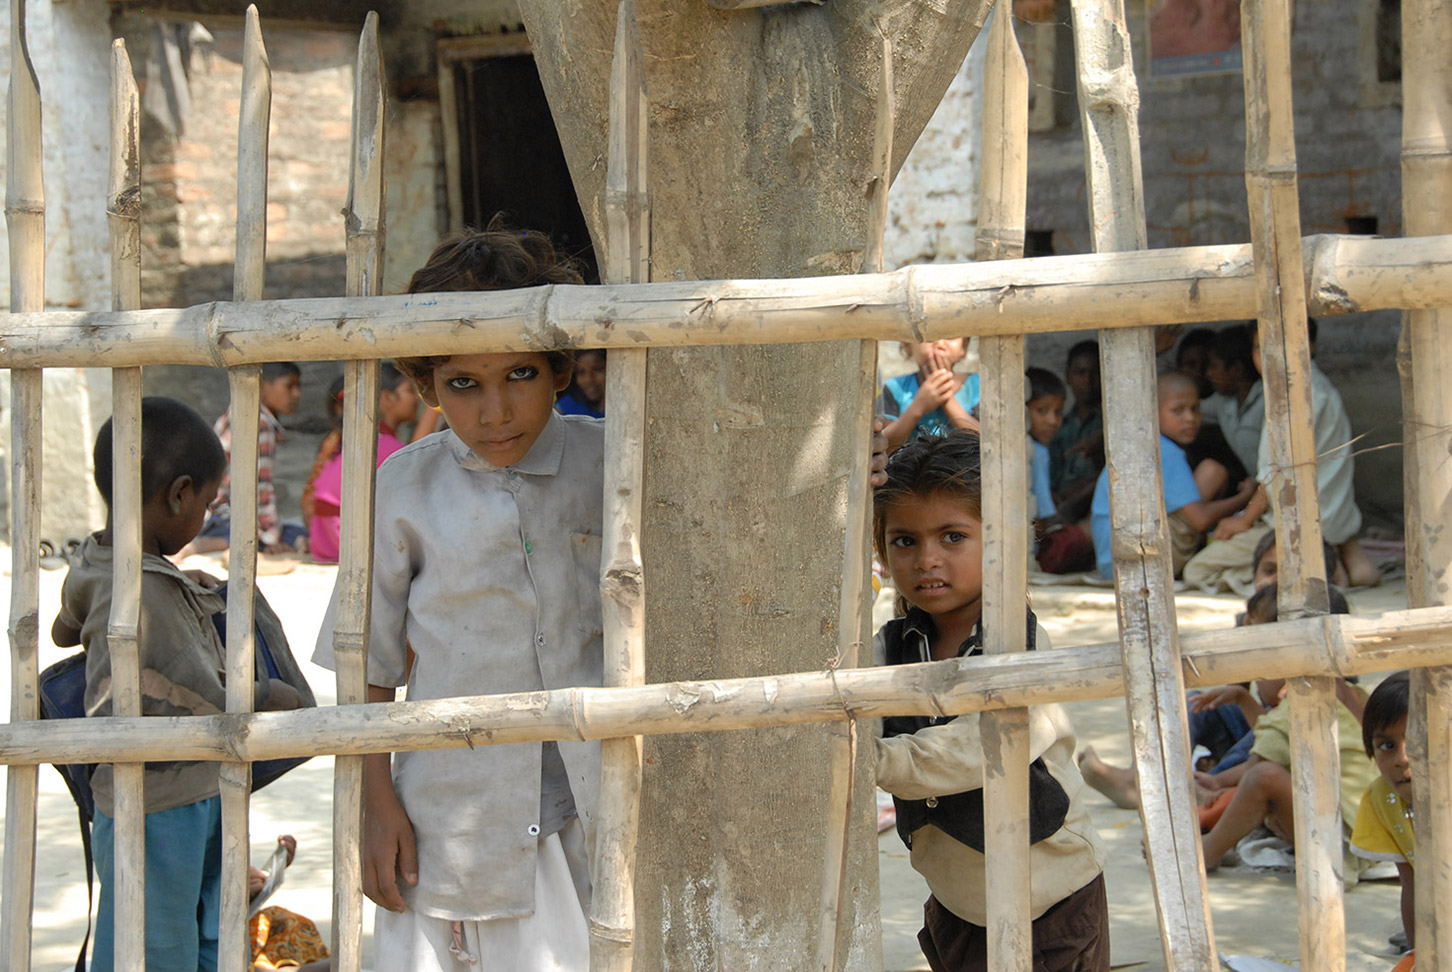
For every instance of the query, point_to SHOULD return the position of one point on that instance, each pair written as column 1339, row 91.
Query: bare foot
column 1360, row 571
column 1115, row 782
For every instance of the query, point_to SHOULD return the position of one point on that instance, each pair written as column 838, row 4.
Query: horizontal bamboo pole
column 1335, row 644
column 1104, row 290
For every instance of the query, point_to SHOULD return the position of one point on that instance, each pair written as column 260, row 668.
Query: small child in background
column 585, row 394
column 927, row 524
column 182, row 664
column 1046, row 396
column 932, row 400
column 1384, row 820
column 397, row 405
column 281, row 392
column 1238, row 405
column 1076, row 455
column 1192, row 357
column 1188, row 493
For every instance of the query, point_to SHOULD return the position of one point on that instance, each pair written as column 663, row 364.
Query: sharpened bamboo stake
column 1140, row 540
column 1342, row 644
column 123, row 217
column 622, row 581
column 364, row 225
column 1426, row 362
column 25, row 224
column 1275, row 231
column 235, row 778
column 1002, row 203
column 918, row 303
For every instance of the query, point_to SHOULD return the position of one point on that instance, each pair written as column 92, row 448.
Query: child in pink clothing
column 397, row 404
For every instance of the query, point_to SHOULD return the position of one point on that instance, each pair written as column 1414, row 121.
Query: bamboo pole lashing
column 364, row 225
column 1109, row 108
column 622, row 582
column 25, row 227
column 123, row 216
column 245, row 381
column 1002, row 205
column 916, row 303
column 1338, row 644
column 1425, row 359
column 1275, row 226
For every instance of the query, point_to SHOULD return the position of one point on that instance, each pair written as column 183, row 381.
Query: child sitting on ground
column 1076, row 454
column 281, row 392
column 397, row 404
column 1238, row 406
column 1384, row 820
column 1188, row 494
column 1263, row 782
column 1063, row 546
column 585, row 394
column 927, row 523
column 933, row 399
column 1335, row 467
column 182, row 664
column 1046, row 395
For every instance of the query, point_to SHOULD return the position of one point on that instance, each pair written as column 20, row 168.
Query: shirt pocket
column 586, row 549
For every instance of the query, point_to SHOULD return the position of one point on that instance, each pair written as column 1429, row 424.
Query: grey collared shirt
column 492, row 576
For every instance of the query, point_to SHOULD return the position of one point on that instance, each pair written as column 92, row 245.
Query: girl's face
column 399, row 404
column 1045, row 415
column 931, row 356
column 1389, row 749
column 497, row 403
column 590, row 377
column 934, row 548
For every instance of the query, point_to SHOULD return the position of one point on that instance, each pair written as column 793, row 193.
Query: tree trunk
column 761, row 137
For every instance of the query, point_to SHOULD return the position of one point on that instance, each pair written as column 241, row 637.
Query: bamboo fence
column 1122, row 288
column 1002, row 202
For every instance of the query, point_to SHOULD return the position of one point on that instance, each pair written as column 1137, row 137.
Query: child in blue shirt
column 1046, row 397
column 932, row 400
column 1187, row 492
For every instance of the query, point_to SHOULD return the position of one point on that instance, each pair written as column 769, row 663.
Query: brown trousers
column 1072, row 936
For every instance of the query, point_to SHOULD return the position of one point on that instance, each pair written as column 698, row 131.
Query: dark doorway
column 510, row 160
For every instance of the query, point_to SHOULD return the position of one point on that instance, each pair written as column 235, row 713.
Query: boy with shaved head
column 1188, row 493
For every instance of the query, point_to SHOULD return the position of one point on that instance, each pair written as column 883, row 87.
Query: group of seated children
column 477, row 856
column 1241, row 740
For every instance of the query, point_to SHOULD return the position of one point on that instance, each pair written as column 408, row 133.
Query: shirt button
column 539, row 639
column 509, row 473
column 534, row 830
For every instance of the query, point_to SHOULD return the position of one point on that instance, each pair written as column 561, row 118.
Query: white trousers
column 554, row 938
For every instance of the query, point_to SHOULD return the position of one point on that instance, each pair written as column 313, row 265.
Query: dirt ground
column 1254, row 913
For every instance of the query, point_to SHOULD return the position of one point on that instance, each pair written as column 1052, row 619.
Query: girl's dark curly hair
column 930, row 465
column 496, row 258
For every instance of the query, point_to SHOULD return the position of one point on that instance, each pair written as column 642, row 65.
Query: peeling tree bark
column 761, row 143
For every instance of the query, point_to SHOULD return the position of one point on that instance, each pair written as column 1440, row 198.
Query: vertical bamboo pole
column 853, row 605
column 246, row 387
column 25, row 224
column 1426, row 361
column 364, row 225
column 622, row 581
column 1275, row 232
column 1002, row 202
column 123, row 217
column 1154, row 683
